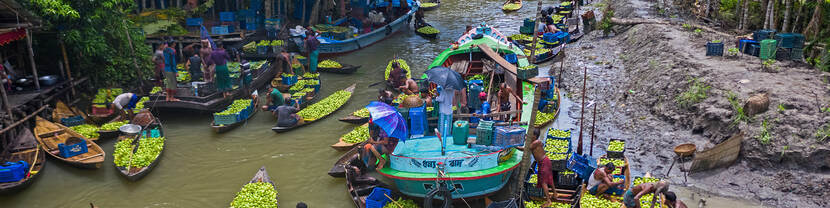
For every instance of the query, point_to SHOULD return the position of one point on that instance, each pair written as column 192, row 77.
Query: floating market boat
column 24, row 148
column 212, row 100
column 102, row 118
column 343, row 145
column 307, row 121
column 356, row 119
column 49, row 135
column 426, row 35
column 63, row 111
column 414, row 164
column 402, row 63
column 136, row 173
column 261, row 176
column 360, row 186
column 229, row 127
column 331, row 46
column 511, row 6
column 352, row 157
column 346, row 69
column 625, row 173
column 110, row 134
column 429, row 6
column 555, row 113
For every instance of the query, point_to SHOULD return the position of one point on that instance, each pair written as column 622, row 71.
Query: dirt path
column 636, row 76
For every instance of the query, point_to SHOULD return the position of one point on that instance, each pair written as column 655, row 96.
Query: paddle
column 392, row 200
column 37, row 151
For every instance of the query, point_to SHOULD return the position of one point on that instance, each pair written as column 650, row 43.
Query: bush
column 740, row 114
column 696, row 93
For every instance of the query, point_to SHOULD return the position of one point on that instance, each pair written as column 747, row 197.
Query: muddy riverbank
column 636, row 75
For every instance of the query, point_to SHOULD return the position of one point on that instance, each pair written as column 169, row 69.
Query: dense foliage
column 95, row 36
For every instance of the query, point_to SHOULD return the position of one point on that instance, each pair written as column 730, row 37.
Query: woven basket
column 412, row 101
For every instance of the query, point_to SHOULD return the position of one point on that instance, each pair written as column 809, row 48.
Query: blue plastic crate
column 583, row 166
column 759, row 35
column 194, row 21
column 250, row 26
column 67, row 151
column 714, row 49
column 13, row 171
column 563, row 37
column 743, row 45
column 224, row 119
column 509, row 136
column 378, row 199
column 72, row 121
column 754, row 50
column 511, row 58
column 289, row 80
column 155, row 133
column 262, row 50
column 785, row 40
column 227, row 16
column 219, row 30
column 549, row 37
column 418, row 120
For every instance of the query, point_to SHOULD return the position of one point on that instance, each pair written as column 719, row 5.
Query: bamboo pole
column 22, row 120
column 135, row 63
column 535, row 37
column 593, row 131
column 582, row 117
column 6, row 103
column 66, row 63
column 528, row 140
column 32, row 58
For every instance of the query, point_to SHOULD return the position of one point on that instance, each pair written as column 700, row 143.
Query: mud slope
column 637, row 75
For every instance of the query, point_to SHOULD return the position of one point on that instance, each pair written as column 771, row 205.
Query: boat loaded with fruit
column 140, row 149
column 320, row 110
column 331, row 66
column 239, row 112
column 336, row 38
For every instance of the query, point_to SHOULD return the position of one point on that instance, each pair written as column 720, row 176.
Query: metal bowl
column 130, row 129
column 48, row 80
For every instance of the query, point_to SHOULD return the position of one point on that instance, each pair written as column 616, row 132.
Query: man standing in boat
column 503, row 102
column 544, row 167
column 125, row 102
column 311, row 44
column 170, row 70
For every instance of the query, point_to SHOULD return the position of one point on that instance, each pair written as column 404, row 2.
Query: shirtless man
column 504, row 99
column 671, row 200
column 545, row 175
column 631, row 198
column 409, row 87
column 601, row 180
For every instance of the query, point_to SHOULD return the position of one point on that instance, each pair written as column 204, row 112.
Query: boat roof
column 490, row 37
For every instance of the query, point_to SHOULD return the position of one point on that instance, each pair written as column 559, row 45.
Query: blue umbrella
column 446, row 77
column 388, row 119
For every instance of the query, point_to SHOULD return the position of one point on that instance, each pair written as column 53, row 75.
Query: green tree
column 95, row 36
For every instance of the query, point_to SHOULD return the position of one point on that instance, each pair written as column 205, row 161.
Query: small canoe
column 427, row 36
column 49, row 135
column 32, row 155
column 339, row 168
column 352, row 119
column 507, row 8
column 64, row 111
column 429, row 6
column 103, row 134
column 342, row 145
column 229, row 127
column 100, row 119
column 346, row 69
column 262, row 176
column 299, row 124
column 550, row 55
column 556, row 113
column 136, row 173
column 360, row 186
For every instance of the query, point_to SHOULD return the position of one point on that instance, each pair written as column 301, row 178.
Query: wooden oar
column 37, row 151
column 392, row 200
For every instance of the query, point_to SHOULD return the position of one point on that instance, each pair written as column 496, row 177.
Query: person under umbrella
column 386, row 125
column 448, row 81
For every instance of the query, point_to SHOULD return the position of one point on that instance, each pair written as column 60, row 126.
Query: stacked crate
column 484, row 133
column 768, row 48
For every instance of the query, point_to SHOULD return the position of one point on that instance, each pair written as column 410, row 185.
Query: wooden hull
column 346, row 69
column 262, row 176
column 555, row 114
column 64, row 111
column 360, row 186
column 364, row 40
column 341, row 145
column 35, row 157
column 354, row 119
column 280, row 129
column 554, row 53
column 215, row 101
column 229, row 127
column 134, row 174
column 49, row 135
column 104, row 135
column 339, row 170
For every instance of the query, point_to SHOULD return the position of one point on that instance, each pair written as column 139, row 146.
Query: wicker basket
column 685, row 150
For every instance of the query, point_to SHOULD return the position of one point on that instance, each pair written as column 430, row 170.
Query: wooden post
column 582, row 117
column 528, row 140
column 593, row 130
column 535, row 37
column 135, row 64
column 6, row 103
column 66, row 62
column 32, row 58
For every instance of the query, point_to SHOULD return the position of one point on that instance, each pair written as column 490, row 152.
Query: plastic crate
column 289, row 80
column 528, row 22
column 484, row 133
column 272, row 24
column 783, row 54
column 511, row 58
column 615, row 154
column 714, row 49
column 262, row 50
column 378, row 199
column 563, row 37
column 67, row 151
column 754, row 50
column 744, row 45
column 530, row 188
column 785, row 40
column 418, row 120
column 224, row 119
column 759, row 35
column 526, row 30
column 101, row 111
column 559, row 165
column 13, row 171
column 549, row 37
column 583, row 166
column 194, row 21
column 768, row 48
column 510, row 203
column 566, row 181
column 227, row 16
column 250, row 26
column 72, row 121
column 798, row 40
column 509, row 136
column 526, row 74
column 797, row 54
column 219, row 30
column 460, row 132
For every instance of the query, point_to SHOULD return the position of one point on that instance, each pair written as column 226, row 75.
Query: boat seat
column 460, row 66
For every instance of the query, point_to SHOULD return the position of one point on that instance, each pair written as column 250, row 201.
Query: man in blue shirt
column 170, row 70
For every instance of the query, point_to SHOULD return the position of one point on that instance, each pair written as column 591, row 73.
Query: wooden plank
column 90, row 157
column 30, row 116
column 496, row 57
column 723, row 154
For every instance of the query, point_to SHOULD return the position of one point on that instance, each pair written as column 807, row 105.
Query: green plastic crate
column 768, row 48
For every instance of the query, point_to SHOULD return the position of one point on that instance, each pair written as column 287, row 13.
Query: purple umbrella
column 388, row 119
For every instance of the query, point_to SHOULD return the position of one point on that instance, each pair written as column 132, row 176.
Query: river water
column 200, row 168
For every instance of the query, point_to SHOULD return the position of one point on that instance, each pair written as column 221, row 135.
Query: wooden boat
column 229, row 127
column 352, row 157
column 262, row 176
column 64, row 111
column 103, row 134
column 49, row 135
column 342, row 145
column 214, row 101
column 136, row 173
column 304, row 122
column 626, row 172
column 30, row 153
column 555, row 113
column 360, row 186
column 100, row 119
column 353, row 119
column 429, row 6
column 427, row 36
column 505, row 9
column 550, row 55
column 329, row 46
column 346, row 69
